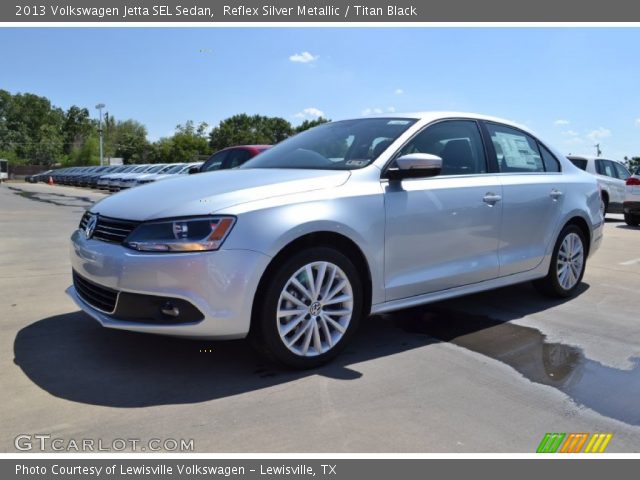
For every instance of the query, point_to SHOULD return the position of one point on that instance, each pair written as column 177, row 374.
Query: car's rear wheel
column 632, row 220
column 567, row 266
column 310, row 308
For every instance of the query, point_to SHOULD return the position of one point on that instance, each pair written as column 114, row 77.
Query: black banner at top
column 324, row 11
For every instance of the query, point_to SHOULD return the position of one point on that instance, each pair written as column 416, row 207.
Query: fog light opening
column 170, row 310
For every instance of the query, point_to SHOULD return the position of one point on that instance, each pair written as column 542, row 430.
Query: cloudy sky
column 574, row 86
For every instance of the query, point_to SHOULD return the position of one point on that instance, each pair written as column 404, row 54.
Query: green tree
column 31, row 128
column 126, row 139
column 187, row 142
column 76, row 128
column 633, row 163
column 307, row 124
column 243, row 129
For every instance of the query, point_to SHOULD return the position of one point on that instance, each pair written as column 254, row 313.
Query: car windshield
column 344, row 145
column 155, row 169
column 175, row 168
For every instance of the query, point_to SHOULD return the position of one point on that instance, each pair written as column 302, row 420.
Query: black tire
column 632, row 220
column 551, row 284
column 265, row 331
column 605, row 204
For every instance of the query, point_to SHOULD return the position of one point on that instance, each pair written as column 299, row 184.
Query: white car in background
column 129, row 180
column 631, row 205
column 143, row 178
column 175, row 170
column 611, row 177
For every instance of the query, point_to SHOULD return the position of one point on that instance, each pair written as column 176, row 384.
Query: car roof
column 592, row 157
column 430, row 116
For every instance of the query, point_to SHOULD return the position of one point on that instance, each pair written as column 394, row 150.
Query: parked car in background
column 148, row 177
column 631, row 205
column 346, row 219
column 611, row 177
column 230, row 157
column 114, row 180
column 103, row 181
column 91, row 180
column 174, row 171
column 4, row 169
column 128, row 180
column 38, row 177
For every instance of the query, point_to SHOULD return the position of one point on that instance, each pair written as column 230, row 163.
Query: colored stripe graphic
column 598, row 443
column 573, row 442
column 550, row 442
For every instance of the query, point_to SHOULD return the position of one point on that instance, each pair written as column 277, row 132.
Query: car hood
column 206, row 193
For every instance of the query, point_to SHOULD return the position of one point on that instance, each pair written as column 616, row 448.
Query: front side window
column 515, row 150
column 344, row 145
column 236, row 158
column 457, row 142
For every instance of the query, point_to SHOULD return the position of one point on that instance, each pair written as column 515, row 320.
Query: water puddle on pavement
column 55, row 198
column 609, row 391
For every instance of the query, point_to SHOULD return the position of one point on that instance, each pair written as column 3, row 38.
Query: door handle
column 491, row 198
column 555, row 194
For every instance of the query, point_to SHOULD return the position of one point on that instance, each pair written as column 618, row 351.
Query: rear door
column 533, row 193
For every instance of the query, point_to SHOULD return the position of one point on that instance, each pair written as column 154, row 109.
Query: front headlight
column 181, row 234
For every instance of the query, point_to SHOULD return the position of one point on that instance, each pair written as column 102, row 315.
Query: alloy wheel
column 314, row 309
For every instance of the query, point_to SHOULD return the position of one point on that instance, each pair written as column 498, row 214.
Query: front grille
column 102, row 298
column 109, row 229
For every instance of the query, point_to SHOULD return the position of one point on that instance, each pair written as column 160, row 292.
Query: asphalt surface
column 491, row 372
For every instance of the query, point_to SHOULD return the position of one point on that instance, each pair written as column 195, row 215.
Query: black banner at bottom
column 321, row 469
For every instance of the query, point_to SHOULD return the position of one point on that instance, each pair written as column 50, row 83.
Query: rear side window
column 549, row 160
column 515, row 150
column 606, row 167
column 581, row 163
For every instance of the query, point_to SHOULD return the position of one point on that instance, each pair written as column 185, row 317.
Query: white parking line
column 630, row 262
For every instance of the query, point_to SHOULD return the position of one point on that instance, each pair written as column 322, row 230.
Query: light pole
column 100, row 106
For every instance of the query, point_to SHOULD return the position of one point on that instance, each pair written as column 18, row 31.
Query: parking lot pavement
column 491, row 372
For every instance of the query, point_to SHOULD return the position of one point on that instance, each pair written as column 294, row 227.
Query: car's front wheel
column 311, row 305
column 567, row 266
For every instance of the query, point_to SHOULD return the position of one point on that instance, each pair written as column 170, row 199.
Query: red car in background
column 231, row 157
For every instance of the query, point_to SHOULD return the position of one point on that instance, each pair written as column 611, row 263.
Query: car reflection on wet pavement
column 612, row 392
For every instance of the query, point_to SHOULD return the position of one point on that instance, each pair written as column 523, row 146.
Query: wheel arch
column 582, row 224
column 331, row 239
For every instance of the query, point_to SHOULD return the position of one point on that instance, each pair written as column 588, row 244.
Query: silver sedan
column 348, row 219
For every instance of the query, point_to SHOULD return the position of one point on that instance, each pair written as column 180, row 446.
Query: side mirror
column 416, row 165
column 194, row 170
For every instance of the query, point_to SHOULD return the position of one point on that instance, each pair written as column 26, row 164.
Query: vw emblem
column 91, row 226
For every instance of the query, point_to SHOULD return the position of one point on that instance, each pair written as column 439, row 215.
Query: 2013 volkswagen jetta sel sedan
column 347, row 219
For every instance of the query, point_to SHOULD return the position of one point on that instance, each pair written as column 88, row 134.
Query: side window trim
column 435, row 122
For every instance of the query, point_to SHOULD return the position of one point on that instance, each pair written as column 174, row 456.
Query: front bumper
column 220, row 284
